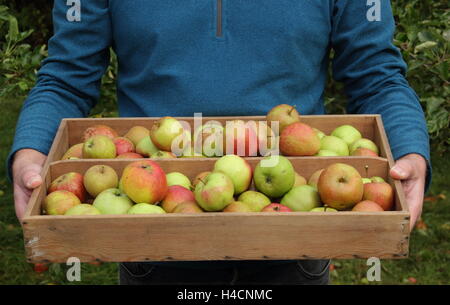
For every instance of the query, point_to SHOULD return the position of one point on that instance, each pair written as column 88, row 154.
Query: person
column 226, row 58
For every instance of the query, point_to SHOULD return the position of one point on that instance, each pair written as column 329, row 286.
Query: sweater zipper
column 219, row 18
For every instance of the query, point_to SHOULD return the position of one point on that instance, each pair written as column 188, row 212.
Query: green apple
column 136, row 134
column 319, row 133
column 99, row 147
column 112, row 201
column 255, row 200
column 165, row 131
column 146, row 147
column 145, row 208
column 299, row 180
column 301, row 198
column 327, row 153
column 215, row 192
column 238, row 169
column 377, row 179
column 364, row 143
column 348, row 133
column 283, row 114
column 324, row 209
column 208, row 139
column 366, row 180
column 332, row 143
column 59, row 202
column 314, row 179
column 274, row 176
column 83, row 209
column 176, row 178
column 237, row 206
column 99, row 178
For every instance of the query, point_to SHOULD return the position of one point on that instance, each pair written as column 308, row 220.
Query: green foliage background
column 423, row 35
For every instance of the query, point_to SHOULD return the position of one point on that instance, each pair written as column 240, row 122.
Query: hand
column 411, row 169
column 26, row 168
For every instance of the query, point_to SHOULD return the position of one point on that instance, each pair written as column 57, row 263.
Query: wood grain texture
column 215, row 236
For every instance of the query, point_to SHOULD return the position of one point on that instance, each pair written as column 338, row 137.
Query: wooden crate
column 218, row 236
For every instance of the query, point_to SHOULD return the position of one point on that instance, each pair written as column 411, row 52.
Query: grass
column 428, row 262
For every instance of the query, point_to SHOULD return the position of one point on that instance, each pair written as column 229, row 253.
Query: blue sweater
column 223, row 57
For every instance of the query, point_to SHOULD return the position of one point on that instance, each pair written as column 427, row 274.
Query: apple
column 319, row 133
column 301, row 198
column 314, row 179
column 144, row 182
column 164, row 131
column 59, row 202
column 364, row 143
column 123, row 145
column 113, row 202
column 99, row 178
column 380, row 193
column 276, row 207
column 299, row 139
column 255, row 200
column 283, row 114
column 237, row 207
column 367, row 206
column 324, row 209
column 199, row 177
column 163, row 155
column 99, row 130
column 176, row 195
column 340, row 186
column 136, row 134
column 176, row 178
column 75, row 151
column 215, row 192
column 187, row 208
column 268, row 140
column 274, row 180
column 72, row 182
column 366, row 180
column 130, row 155
column 376, row 179
column 332, row 143
column 240, row 138
column 348, row 133
column 238, row 169
column 299, row 180
column 146, row 147
column 99, row 147
column 327, row 153
column 208, row 139
column 363, row 152
column 145, row 208
column 82, row 209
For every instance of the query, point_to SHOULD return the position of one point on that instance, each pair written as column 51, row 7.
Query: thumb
column 31, row 178
column 402, row 170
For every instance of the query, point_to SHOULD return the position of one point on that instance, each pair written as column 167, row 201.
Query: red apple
column 74, row 152
column 240, row 138
column 176, row 194
column 200, row 177
column 99, row 130
column 72, row 182
column 59, row 202
column 340, row 186
column 144, row 182
column 299, row 139
column 123, row 145
column 364, row 152
column 129, row 155
column 380, row 193
column 276, row 207
column 40, row 267
column 367, row 206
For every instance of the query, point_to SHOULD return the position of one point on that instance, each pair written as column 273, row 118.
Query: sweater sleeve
column 373, row 72
column 69, row 80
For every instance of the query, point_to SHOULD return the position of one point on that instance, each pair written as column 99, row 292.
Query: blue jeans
column 302, row 272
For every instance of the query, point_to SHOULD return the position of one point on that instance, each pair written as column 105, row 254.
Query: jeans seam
column 140, row 275
column 312, row 275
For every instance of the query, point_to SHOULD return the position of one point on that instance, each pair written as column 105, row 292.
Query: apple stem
column 366, row 167
column 292, row 109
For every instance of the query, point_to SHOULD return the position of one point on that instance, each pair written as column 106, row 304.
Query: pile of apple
column 282, row 130
column 232, row 185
